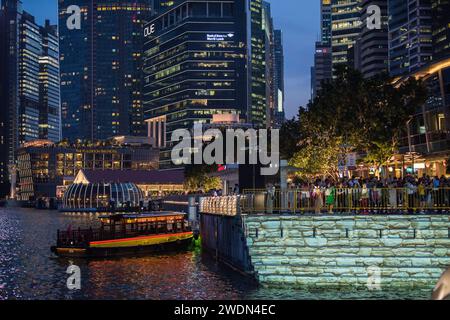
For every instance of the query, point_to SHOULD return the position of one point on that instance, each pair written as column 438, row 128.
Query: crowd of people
column 410, row 194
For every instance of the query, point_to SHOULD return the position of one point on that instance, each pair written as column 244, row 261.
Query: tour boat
column 127, row 234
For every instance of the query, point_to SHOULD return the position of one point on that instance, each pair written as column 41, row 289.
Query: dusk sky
column 299, row 21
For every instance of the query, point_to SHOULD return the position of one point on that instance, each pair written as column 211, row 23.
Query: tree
column 198, row 178
column 291, row 135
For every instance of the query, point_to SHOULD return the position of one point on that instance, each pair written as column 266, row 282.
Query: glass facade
column 258, row 105
column 345, row 28
column 194, row 65
column 429, row 131
column 441, row 28
column 98, row 196
column 325, row 21
column 322, row 70
column 278, row 78
column 31, row 88
column 49, row 85
column 101, row 68
column 373, row 44
column 410, row 35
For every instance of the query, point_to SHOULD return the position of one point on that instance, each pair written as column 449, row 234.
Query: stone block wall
column 340, row 251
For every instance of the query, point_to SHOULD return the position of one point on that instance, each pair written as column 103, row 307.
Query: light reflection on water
column 28, row 270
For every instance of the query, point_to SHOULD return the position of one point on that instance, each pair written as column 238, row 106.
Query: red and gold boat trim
column 141, row 241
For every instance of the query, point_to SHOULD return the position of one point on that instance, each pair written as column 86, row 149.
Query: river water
column 28, row 270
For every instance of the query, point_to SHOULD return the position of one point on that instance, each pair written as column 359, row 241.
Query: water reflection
column 28, row 270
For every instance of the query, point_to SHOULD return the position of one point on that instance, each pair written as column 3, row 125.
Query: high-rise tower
column 204, row 58
column 410, row 35
column 29, row 91
column 372, row 44
column 345, row 28
column 101, row 68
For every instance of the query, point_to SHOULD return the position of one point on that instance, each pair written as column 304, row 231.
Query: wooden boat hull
column 129, row 246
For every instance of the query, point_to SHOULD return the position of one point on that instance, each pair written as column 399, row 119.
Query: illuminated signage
column 148, row 31
column 219, row 37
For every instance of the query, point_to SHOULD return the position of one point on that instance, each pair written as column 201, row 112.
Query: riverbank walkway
column 345, row 201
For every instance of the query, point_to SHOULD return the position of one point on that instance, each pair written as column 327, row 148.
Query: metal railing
column 224, row 205
column 346, row 200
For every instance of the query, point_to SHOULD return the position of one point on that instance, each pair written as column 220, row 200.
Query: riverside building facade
column 43, row 166
column 427, row 145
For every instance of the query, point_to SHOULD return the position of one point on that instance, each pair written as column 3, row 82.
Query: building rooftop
column 131, row 176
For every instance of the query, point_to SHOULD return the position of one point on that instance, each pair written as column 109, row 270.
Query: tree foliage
column 198, row 179
column 352, row 114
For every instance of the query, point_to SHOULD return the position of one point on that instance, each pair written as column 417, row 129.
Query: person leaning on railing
column 330, row 196
column 364, row 199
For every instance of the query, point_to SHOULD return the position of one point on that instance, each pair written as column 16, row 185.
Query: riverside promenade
column 272, row 237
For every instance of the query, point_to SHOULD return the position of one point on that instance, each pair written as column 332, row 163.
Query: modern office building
column 268, row 27
column 372, row 45
column 101, row 68
column 345, row 28
column 325, row 21
column 256, row 43
column 203, row 58
column 274, row 65
column 278, row 79
column 322, row 70
column 49, row 85
column 159, row 6
column 43, row 165
column 30, row 90
column 440, row 11
column 410, row 35
column 323, row 67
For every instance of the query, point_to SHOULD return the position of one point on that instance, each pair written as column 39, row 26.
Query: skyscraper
column 325, row 21
column 257, row 107
column 204, row 58
column 278, row 78
column 30, row 83
column 267, row 24
column 410, row 35
column 372, row 44
column 322, row 69
column 345, row 28
column 101, row 68
column 441, row 28
column 195, row 66
column 274, row 66
column 49, row 85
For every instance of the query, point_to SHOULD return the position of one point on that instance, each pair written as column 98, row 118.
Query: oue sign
column 148, row 31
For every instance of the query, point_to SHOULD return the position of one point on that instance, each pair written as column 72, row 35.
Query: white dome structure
column 100, row 196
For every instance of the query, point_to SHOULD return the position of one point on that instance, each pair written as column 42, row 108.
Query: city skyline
column 224, row 149
column 300, row 31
